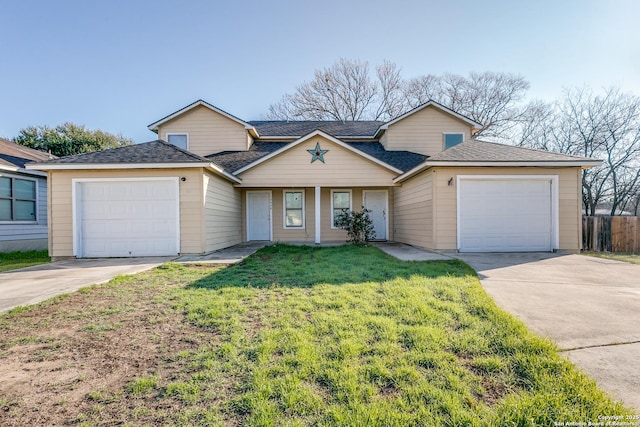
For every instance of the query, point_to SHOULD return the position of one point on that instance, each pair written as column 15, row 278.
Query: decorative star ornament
column 317, row 153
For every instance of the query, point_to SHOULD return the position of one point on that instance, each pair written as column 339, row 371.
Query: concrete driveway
column 34, row 284
column 589, row 306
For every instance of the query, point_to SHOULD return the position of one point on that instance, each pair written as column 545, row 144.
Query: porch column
column 317, row 212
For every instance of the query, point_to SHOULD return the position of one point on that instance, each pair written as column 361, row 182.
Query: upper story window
column 452, row 139
column 17, row 199
column 294, row 209
column 340, row 202
column 179, row 140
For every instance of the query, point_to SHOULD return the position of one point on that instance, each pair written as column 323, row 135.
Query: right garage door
column 505, row 214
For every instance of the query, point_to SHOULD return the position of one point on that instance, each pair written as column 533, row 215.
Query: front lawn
column 296, row 336
column 16, row 260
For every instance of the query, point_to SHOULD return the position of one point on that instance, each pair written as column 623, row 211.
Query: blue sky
column 120, row 65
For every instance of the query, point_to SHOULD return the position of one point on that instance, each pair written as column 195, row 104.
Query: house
column 212, row 180
column 23, row 199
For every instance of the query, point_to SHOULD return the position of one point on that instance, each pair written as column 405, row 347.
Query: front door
column 258, row 215
column 376, row 202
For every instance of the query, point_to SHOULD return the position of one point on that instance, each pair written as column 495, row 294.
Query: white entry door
column 376, row 202
column 258, row 215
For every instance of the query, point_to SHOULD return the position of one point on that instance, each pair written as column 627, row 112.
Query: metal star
column 317, row 153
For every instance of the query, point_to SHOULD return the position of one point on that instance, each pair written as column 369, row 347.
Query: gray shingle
column 481, row 151
column 147, row 152
column 403, row 160
column 234, row 160
column 296, row 129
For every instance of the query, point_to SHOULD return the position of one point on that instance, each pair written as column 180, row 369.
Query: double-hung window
column 340, row 203
column 17, row 199
column 179, row 140
column 293, row 209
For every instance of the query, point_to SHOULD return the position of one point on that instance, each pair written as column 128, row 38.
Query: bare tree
column 343, row 91
column 419, row 90
column 605, row 127
column 347, row 91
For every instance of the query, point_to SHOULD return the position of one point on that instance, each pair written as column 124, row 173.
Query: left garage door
column 127, row 218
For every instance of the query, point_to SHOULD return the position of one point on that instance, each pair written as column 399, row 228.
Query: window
column 340, row 202
column 293, row 209
column 452, row 139
column 179, row 140
column 17, row 199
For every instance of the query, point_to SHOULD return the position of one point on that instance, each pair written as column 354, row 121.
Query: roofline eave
column 584, row 164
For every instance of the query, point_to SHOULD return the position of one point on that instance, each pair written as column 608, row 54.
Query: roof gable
column 306, row 138
column 155, row 125
column 427, row 104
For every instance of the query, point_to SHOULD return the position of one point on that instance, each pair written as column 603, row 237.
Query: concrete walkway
column 410, row 253
column 34, row 284
column 231, row 255
column 589, row 306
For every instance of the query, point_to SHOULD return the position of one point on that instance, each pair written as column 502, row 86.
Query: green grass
column 625, row 257
column 16, row 260
column 342, row 336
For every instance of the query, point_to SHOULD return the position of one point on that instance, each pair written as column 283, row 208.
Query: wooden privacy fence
column 611, row 233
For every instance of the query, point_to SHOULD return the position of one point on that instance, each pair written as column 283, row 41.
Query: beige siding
column 294, row 168
column 209, row 132
column 222, row 216
column 569, row 199
column 413, row 211
column 307, row 234
column 61, row 215
column 422, row 132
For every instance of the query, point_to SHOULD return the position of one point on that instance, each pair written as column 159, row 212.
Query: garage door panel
column 128, row 218
column 505, row 215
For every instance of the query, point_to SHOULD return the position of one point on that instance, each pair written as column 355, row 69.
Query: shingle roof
column 403, row 160
column 296, row 129
column 16, row 155
column 481, row 151
column 147, row 152
column 234, row 160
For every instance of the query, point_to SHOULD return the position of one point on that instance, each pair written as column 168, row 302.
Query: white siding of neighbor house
column 209, row 132
column 293, row 168
column 423, row 131
column 22, row 237
column 414, row 211
column 222, row 215
column 569, row 198
column 61, row 212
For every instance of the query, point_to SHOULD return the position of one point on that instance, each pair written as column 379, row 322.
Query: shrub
column 358, row 225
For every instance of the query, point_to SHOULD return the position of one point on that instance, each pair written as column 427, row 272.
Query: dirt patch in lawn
column 77, row 355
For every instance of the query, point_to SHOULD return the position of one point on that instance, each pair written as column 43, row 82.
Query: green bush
column 358, row 225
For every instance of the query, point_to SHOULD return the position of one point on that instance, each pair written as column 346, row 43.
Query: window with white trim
column 179, row 140
column 452, row 139
column 293, row 209
column 17, row 199
column 340, row 202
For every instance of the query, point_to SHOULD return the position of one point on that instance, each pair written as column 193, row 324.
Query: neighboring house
column 213, row 180
column 23, row 199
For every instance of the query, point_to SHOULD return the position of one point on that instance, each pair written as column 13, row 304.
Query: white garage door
column 127, row 218
column 505, row 214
